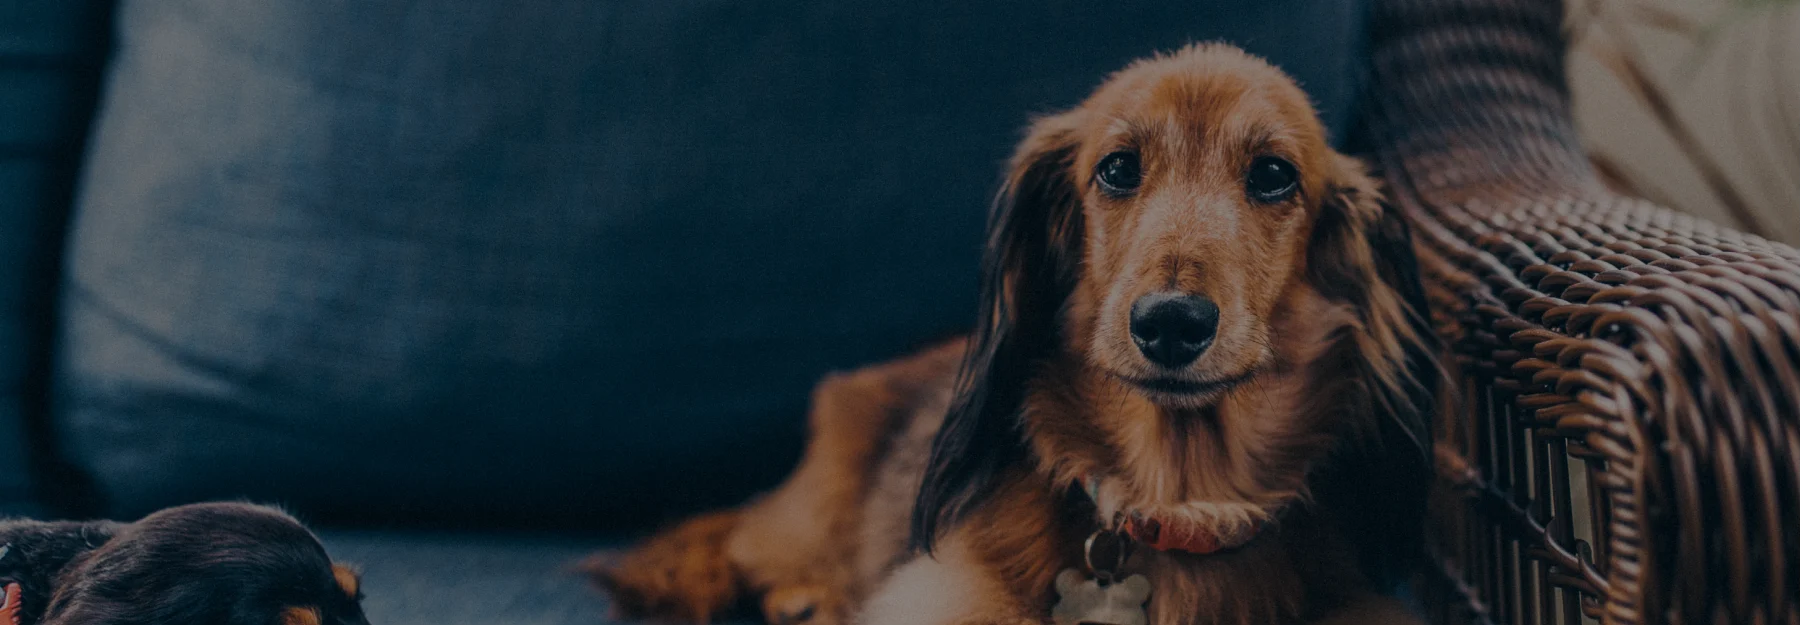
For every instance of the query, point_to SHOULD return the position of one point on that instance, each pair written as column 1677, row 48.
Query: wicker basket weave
column 1621, row 445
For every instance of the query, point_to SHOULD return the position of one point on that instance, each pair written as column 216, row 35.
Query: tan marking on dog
column 347, row 579
column 300, row 615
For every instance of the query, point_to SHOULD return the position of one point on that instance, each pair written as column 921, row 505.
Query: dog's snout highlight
column 1172, row 329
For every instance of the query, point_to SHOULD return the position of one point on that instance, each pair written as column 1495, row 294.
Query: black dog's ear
column 1031, row 263
column 34, row 555
column 1362, row 253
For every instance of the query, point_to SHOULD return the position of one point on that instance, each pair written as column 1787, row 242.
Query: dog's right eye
column 1118, row 173
column 1271, row 179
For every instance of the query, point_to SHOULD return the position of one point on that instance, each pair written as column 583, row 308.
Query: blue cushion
column 50, row 55
column 552, row 259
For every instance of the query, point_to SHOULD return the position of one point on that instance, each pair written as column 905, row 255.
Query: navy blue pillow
column 50, row 56
column 551, row 260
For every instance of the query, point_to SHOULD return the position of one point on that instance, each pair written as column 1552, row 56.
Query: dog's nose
column 1171, row 329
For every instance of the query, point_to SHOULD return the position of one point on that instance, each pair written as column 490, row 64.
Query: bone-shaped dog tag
column 1084, row 600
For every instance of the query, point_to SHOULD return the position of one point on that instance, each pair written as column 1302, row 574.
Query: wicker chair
column 1621, row 442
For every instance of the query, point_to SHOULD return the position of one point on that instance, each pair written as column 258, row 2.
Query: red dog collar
column 1172, row 535
column 9, row 603
column 9, row 595
column 1186, row 536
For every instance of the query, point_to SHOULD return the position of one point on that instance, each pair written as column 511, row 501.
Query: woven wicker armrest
column 1620, row 443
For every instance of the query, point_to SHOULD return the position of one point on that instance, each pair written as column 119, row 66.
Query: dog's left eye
column 1118, row 173
column 1271, row 179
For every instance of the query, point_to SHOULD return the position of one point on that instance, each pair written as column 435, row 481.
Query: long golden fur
column 939, row 487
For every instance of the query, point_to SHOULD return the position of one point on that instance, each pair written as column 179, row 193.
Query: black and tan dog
column 213, row 563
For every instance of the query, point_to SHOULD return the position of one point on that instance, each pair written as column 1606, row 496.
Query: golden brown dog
column 1197, row 338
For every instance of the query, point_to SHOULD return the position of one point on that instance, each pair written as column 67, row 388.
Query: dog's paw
column 679, row 575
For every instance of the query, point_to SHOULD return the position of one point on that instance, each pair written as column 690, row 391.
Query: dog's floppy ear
column 1362, row 253
column 1030, row 265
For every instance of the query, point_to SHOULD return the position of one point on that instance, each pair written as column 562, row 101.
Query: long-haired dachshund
column 1198, row 375
column 210, row 563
